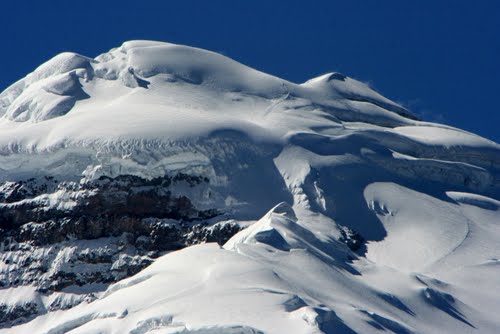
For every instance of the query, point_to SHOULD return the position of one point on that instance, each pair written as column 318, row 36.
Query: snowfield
column 361, row 217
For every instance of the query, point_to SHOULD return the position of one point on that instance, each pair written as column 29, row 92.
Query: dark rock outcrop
column 60, row 237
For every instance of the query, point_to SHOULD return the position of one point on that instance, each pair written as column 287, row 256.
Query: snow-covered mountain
column 161, row 188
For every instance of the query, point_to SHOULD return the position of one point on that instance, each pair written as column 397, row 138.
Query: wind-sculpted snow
column 110, row 164
column 50, row 91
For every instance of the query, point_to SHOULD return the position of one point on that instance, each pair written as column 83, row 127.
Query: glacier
column 161, row 188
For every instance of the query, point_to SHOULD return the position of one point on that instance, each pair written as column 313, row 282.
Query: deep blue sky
column 439, row 58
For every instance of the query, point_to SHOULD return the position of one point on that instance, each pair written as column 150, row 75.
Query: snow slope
column 390, row 225
column 278, row 277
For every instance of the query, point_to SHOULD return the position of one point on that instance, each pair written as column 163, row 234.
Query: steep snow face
column 151, row 147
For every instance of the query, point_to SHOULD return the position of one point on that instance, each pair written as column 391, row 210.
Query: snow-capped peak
column 53, row 88
column 110, row 166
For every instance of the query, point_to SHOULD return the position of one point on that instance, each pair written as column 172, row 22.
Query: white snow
column 420, row 229
column 424, row 197
column 274, row 277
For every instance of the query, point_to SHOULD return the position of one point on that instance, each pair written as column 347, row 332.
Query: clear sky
column 439, row 58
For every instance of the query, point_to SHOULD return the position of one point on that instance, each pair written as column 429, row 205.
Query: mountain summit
column 161, row 188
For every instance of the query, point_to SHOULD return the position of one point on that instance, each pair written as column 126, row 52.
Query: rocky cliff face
column 72, row 239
